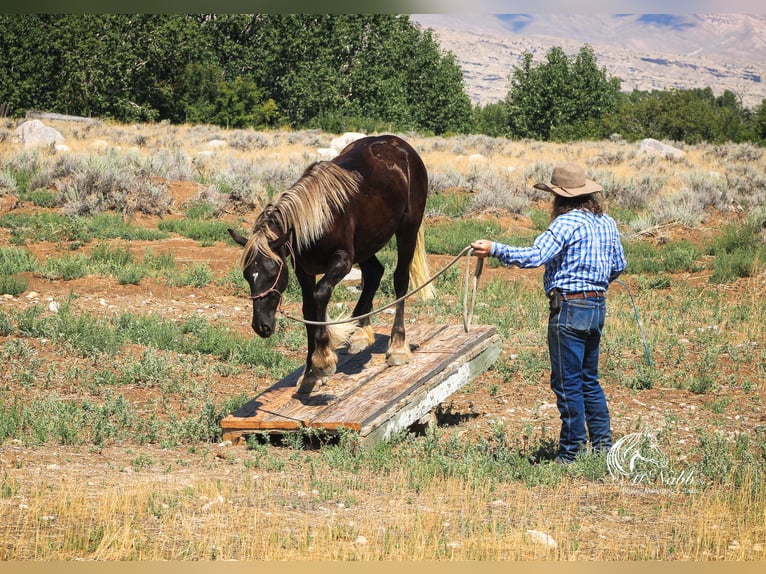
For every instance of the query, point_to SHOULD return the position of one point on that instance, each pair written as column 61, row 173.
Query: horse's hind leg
column 372, row 272
column 399, row 351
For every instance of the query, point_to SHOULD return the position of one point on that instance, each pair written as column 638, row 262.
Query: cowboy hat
column 568, row 180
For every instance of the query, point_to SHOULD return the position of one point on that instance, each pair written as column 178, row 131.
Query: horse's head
column 266, row 273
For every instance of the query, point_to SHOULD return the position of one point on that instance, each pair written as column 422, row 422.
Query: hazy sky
column 584, row 6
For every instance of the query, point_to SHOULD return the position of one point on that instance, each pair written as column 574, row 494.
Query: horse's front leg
column 321, row 359
column 308, row 379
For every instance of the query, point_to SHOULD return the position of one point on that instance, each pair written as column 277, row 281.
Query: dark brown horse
column 338, row 213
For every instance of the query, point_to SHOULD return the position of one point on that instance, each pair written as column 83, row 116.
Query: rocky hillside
column 647, row 52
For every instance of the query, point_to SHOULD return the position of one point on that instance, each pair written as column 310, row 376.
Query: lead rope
column 467, row 315
column 638, row 321
column 468, row 310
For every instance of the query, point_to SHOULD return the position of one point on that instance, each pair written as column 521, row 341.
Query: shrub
column 67, row 268
column 194, row 275
column 737, row 252
column 16, row 260
column 7, row 182
column 130, row 275
column 12, row 285
column 6, row 323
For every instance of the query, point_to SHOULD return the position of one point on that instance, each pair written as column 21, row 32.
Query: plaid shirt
column 581, row 252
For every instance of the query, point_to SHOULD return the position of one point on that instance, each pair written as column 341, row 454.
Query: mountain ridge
column 646, row 51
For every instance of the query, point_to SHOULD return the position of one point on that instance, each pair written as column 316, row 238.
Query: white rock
column 354, row 275
column 326, row 153
column 651, row 146
column 541, row 538
column 36, row 133
column 342, row 141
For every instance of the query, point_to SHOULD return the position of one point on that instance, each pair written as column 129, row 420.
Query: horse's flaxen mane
column 306, row 208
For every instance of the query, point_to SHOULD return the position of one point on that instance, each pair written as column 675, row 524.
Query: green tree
column 560, row 97
column 691, row 116
column 435, row 89
column 491, row 119
column 234, row 68
column 197, row 91
column 28, row 75
column 759, row 122
column 326, row 69
column 241, row 104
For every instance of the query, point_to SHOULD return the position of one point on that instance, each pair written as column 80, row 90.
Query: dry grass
column 287, row 515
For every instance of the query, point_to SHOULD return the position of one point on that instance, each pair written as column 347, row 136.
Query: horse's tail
column 340, row 333
column 419, row 273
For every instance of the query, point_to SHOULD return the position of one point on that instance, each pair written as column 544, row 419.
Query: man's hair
column 562, row 205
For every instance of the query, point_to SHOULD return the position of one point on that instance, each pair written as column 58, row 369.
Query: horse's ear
column 237, row 237
column 277, row 243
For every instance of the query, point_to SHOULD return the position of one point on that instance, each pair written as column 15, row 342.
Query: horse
column 339, row 213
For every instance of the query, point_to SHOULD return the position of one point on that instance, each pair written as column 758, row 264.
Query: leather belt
column 581, row 295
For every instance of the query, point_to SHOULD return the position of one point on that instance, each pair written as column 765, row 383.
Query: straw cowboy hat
column 568, row 180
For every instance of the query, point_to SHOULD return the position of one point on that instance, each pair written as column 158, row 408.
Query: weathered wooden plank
column 433, row 372
column 279, row 408
column 410, row 409
column 364, row 392
column 394, row 383
column 280, row 404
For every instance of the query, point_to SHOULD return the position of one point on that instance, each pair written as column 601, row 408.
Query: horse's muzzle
column 262, row 330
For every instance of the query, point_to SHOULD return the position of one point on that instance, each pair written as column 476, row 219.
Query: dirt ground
column 473, row 410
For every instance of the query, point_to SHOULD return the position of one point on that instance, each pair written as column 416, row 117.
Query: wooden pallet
column 365, row 394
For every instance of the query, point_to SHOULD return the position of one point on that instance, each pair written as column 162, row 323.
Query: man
column 582, row 255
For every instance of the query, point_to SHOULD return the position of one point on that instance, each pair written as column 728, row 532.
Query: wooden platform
column 368, row 396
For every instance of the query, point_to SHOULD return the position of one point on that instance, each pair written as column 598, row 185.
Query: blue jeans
column 574, row 337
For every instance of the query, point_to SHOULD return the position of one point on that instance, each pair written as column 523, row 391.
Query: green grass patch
column 738, row 252
column 16, row 260
column 68, row 267
column 675, row 257
column 192, row 275
column 57, row 227
column 448, row 204
column 450, row 238
column 42, row 198
column 12, row 285
column 204, row 231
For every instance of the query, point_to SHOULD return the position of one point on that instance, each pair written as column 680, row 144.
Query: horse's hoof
column 360, row 340
column 357, row 345
column 398, row 359
column 309, row 381
column 305, row 389
column 306, row 386
column 323, row 372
